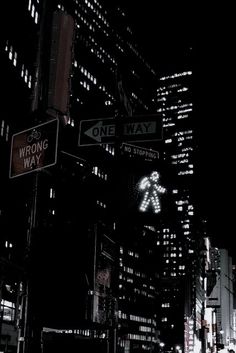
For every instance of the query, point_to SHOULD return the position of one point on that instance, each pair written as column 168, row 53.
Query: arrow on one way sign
column 99, row 131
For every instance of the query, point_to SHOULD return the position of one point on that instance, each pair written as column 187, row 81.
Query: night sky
column 170, row 34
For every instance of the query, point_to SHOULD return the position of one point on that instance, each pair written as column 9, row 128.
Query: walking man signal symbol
column 151, row 188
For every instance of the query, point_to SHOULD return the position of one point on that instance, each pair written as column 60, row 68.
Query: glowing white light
column 151, row 188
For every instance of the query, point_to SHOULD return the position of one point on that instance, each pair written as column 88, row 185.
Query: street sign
column 135, row 128
column 97, row 131
column 137, row 152
column 34, row 148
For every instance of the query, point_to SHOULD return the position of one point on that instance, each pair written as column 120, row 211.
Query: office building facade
column 71, row 61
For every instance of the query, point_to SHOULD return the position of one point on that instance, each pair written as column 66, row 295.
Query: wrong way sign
column 136, row 128
column 34, row 149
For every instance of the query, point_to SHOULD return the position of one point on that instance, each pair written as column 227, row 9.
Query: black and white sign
column 137, row 152
column 135, row 128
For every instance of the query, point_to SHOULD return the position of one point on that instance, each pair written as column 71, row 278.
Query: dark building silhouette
column 83, row 265
column 71, row 62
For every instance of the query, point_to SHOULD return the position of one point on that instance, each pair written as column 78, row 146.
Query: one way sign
column 135, row 128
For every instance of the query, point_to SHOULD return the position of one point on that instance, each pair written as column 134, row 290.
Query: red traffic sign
column 34, row 149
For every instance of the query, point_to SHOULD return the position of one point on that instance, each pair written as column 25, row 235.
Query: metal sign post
column 31, row 151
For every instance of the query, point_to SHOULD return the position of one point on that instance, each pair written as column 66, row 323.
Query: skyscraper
column 85, row 50
column 177, row 238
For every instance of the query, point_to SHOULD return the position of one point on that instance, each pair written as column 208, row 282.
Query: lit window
column 32, row 10
column 15, row 59
column 10, row 53
column 36, row 18
column 8, row 309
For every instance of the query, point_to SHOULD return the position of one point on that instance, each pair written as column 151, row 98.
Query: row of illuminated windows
column 140, row 319
column 128, row 269
column 172, row 255
column 8, row 310
column 183, row 89
column 8, row 244
column 135, row 51
column 4, row 130
column 87, row 23
column 182, row 116
column 169, row 140
column 183, row 161
column 143, row 292
column 97, row 171
column 130, row 280
column 182, row 202
column 122, row 315
column 173, row 107
column 179, row 116
column 185, row 172
column 173, row 274
column 166, row 93
column 33, row 12
column 180, row 155
column 99, row 49
column 86, row 333
column 110, row 149
column 152, row 228
column 172, row 248
column 184, row 111
column 98, row 13
column 119, row 47
column 145, row 329
column 70, row 121
column 86, row 73
column 185, row 73
column 78, row 100
column 182, row 133
column 132, row 336
column 181, row 267
column 162, row 99
column 174, row 85
column 131, row 270
column 168, row 236
column 139, row 100
column 168, row 125
column 102, row 87
column 101, row 204
column 165, row 242
column 132, row 253
column 85, row 84
column 99, row 26
column 12, row 55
